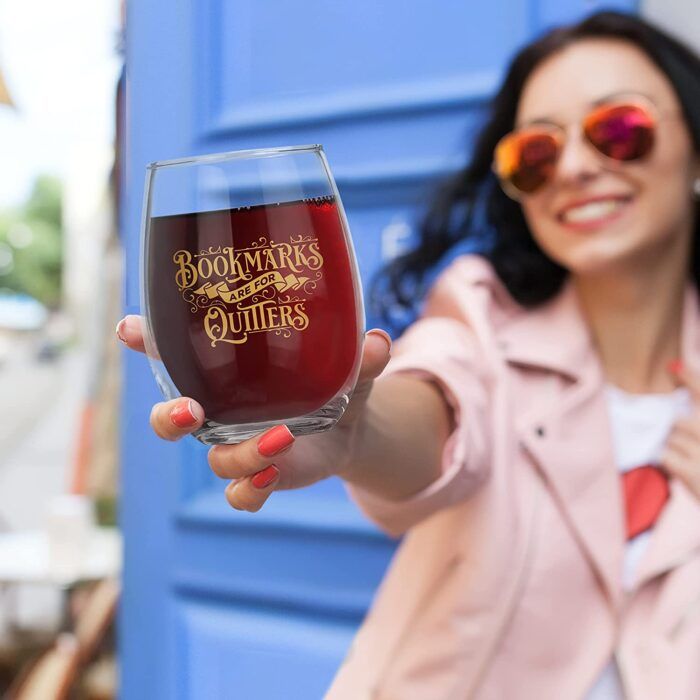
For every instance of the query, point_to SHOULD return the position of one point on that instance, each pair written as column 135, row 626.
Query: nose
column 578, row 163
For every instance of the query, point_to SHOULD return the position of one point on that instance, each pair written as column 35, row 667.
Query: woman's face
column 642, row 208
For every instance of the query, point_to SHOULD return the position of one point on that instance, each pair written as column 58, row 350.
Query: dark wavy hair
column 472, row 208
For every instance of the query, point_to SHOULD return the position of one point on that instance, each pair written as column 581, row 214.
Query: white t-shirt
column 640, row 426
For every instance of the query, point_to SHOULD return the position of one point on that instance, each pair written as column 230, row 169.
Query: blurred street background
column 57, row 132
column 60, row 276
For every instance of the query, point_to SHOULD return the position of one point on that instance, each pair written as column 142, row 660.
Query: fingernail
column 265, row 477
column 383, row 334
column 127, row 326
column 119, row 330
column 675, row 366
column 275, row 440
column 185, row 415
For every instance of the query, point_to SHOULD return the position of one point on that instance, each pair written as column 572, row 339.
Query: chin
column 593, row 262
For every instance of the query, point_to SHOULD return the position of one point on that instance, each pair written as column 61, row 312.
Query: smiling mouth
column 598, row 211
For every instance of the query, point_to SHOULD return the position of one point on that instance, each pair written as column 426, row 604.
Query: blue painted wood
column 354, row 69
column 224, row 604
column 233, row 652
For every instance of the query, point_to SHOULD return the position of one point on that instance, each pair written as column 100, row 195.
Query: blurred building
column 88, row 223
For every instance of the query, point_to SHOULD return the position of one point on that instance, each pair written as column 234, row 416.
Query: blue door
column 220, row 603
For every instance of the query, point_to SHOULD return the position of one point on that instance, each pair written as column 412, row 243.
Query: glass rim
column 235, row 155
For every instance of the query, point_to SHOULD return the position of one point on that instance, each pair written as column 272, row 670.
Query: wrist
column 355, row 433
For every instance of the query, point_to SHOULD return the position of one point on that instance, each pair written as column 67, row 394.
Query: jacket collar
column 571, row 441
column 552, row 336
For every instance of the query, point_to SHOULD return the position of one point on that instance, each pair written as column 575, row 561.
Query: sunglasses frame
column 622, row 99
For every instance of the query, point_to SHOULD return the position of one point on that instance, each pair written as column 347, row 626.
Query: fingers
column 682, row 443
column 686, row 377
column 251, row 455
column 172, row 420
column 248, row 464
column 682, row 467
column 687, row 424
column 251, row 493
column 129, row 331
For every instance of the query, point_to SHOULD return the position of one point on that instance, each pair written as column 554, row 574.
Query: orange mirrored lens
column 622, row 132
column 527, row 159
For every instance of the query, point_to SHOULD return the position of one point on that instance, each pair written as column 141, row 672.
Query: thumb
column 376, row 353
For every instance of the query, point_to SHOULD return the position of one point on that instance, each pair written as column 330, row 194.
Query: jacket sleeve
column 442, row 349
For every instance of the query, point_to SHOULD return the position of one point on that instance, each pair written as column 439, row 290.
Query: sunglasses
column 526, row 159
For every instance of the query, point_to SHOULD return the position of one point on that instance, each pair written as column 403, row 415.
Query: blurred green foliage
column 31, row 245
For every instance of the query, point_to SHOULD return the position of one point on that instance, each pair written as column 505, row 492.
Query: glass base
column 213, row 433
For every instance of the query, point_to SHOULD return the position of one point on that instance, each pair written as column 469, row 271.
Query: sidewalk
column 39, row 405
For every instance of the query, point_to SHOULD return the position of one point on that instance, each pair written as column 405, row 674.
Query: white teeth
column 592, row 210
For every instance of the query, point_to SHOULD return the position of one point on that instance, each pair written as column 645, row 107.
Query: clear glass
column 250, row 290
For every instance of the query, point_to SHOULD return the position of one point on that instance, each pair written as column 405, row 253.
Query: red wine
column 253, row 309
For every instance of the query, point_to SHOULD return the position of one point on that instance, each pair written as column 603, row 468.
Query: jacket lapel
column 567, row 431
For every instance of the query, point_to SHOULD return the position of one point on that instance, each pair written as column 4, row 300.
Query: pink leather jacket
column 507, row 584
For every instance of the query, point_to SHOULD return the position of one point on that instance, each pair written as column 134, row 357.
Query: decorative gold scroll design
column 230, row 296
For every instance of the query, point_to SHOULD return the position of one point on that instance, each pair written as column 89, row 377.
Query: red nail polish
column 675, row 366
column 275, row 440
column 265, row 477
column 182, row 416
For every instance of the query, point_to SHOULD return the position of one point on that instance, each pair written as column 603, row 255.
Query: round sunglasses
column 622, row 131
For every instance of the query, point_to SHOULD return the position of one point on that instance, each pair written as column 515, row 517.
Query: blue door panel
column 282, row 559
column 273, row 64
column 220, row 603
column 243, row 653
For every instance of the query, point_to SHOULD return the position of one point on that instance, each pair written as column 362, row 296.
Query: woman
column 529, row 434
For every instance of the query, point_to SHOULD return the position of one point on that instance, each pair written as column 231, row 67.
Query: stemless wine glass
column 250, row 290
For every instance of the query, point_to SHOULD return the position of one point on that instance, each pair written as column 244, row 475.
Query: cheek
column 545, row 231
column 664, row 179
column 665, row 201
